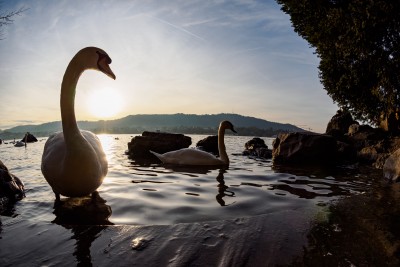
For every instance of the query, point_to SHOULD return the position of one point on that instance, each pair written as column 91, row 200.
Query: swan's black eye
column 102, row 56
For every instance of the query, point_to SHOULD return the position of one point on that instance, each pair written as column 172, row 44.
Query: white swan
column 73, row 161
column 195, row 157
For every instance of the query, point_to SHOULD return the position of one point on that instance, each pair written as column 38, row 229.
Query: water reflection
column 190, row 169
column 90, row 210
column 313, row 182
column 370, row 219
column 222, row 189
column 86, row 217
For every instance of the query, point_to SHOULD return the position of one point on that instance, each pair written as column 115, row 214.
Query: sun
column 104, row 103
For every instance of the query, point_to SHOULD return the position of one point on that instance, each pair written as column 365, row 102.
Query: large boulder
column 256, row 147
column 391, row 168
column 339, row 124
column 140, row 146
column 304, row 148
column 209, row 144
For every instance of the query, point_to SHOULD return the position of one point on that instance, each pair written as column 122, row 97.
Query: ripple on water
column 154, row 194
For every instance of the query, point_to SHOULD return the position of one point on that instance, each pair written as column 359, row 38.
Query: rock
column 339, row 124
column 391, row 122
column 304, row 148
column 361, row 136
column 254, row 143
column 391, row 168
column 365, row 132
column 372, row 145
column 11, row 187
column 88, row 210
column 354, row 128
column 380, row 161
column 256, row 147
column 259, row 153
column 209, row 144
column 368, row 154
column 346, row 152
column 140, row 146
column 29, row 138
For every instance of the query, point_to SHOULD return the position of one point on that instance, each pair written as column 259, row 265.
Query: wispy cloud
column 178, row 28
column 170, row 56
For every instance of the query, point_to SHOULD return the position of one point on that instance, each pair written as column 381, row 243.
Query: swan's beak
column 104, row 67
column 233, row 130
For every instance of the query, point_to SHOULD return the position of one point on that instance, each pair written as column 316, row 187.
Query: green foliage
column 358, row 42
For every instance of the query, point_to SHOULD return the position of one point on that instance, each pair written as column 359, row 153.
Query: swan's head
column 97, row 59
column 227, row 125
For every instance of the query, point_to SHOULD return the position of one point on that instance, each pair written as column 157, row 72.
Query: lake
column 142, row 195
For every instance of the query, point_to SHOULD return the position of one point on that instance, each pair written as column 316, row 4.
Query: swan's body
column 195, row 157
column 73, row 161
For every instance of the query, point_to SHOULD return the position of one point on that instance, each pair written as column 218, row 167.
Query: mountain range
column 182, row 123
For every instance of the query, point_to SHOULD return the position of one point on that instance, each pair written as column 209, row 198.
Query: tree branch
column 7, row 18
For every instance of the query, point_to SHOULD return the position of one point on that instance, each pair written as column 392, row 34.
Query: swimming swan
column 73, row 161
column 194, row 157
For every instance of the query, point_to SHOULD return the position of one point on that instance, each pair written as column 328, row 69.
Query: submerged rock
column 140, row 146
column 256, row 147
column 89, row 210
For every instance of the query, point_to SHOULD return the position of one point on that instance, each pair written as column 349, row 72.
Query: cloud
column 171, row 56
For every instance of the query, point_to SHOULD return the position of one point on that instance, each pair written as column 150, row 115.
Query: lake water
column 134, row 194
column 156, row 195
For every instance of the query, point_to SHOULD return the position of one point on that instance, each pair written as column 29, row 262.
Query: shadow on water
column 360, row 230
column 86, row 217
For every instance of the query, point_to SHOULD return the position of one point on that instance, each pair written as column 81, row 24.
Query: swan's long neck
column 221, row 146
column 67, row 100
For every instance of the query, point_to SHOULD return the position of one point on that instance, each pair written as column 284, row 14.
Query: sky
column 176, row 56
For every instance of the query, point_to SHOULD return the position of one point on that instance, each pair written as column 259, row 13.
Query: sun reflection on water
column 107, row 143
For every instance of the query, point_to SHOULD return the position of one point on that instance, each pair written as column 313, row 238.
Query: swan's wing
column 55, row 151
column 53, row 155
column 94, row 141
column 188, row 156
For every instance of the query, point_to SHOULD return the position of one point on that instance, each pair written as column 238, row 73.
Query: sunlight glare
column 104, row 103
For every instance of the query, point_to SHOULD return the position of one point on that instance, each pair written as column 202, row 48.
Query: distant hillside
column 184, row 123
